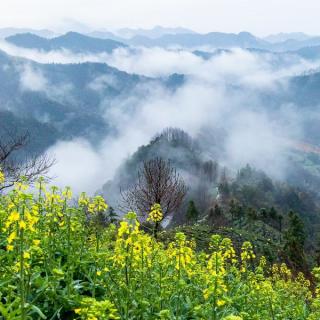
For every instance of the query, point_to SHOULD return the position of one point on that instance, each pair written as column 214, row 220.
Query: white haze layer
column 222, row 92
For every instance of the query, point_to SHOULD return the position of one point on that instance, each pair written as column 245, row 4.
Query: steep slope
column 244, row 205
column 184, row 154
column 71, row 98
column 40, row 135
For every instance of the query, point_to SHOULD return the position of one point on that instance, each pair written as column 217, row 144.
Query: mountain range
column 288, row 42
column 7, row 32
column 65, row 101
column 156, row 32
column 68, row 101
column 103, row 41
column 282, row 37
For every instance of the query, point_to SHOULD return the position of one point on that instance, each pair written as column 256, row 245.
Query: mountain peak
column 24, row 35
column 73, row 34
column 246, row 34
column 72, row 41
column 282, row 37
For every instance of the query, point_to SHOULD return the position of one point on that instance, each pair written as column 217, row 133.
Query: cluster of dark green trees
column 288, row 231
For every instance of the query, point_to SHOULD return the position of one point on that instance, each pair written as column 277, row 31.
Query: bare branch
column 158, row 182
column 14, row 166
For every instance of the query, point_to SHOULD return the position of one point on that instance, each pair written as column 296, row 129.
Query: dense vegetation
column 61, row 260
column 245, row 204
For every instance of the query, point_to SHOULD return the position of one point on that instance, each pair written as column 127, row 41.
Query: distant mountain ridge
column 67, row 101
column 68, row 97
column 7, row 32
column 78, row 42
column 282, row 37
column 221, row 40
column 213, row 39
column 105, row 35
column 104, row 41
column 126, row 34
column 72, row 41
column 156, row 32
column 294, row 45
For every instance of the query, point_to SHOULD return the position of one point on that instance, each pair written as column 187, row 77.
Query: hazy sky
column 258, row 16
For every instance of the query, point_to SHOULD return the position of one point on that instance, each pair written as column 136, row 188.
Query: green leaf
column 38, row 311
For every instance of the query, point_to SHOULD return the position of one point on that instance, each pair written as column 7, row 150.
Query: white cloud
column 222, row 92
column 103, row 82
column 78, row 165
column 32, row 79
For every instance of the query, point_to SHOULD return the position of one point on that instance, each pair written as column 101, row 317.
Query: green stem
column 215, row 290
column 22, row 284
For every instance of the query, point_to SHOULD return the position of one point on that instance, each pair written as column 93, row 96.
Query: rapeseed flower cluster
column 2, row 179
column 181, row 253
column 57, row 262
column 155, row 214
column 97, row 205
column 92, row 309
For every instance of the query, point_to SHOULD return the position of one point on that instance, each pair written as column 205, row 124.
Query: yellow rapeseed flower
column 12, row 237
column 2, row 179
column 36, row 242
column 155, row 213
column 232, row 317
column 14, row 216
column 97, row 205
column 22, row 225
column 77, row 311
column 26, row 255
column 10, row 247
column 67, row 193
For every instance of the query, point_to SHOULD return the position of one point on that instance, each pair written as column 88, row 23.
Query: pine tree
column 192, row 212
column 252, row 214
column 273, row 213
column 280, row 219
column 224, row 187
column 239, row 213
column 217, row 211
column 264, row 214
column 295, row 238
column 233, row 208
column 215, row 214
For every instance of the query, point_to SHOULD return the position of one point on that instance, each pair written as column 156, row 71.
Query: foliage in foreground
column 58, row 261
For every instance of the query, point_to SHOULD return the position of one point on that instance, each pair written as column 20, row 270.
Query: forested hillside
column 253, row 205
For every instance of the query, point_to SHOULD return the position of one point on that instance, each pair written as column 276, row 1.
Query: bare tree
column 14, row 166
column 158, row 182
